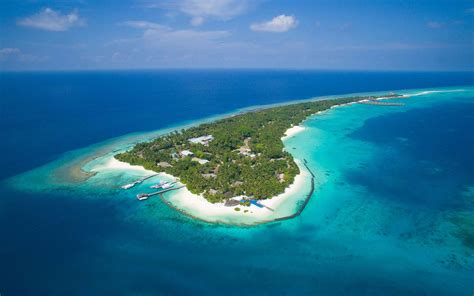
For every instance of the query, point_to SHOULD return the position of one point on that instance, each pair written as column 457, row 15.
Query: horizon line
column 236, row 69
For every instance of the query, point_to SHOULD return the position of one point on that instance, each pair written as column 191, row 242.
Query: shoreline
column 101, row 151
column 197, row 207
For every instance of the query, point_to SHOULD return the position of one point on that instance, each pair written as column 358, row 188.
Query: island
column 238, row 156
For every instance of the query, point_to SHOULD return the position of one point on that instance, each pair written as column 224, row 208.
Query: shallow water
column 391, row 215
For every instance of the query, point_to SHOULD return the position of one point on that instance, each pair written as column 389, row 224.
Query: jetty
column 305, row 202
column 144, row 196
column 378, row 103
column 130, row 185
column 260, row 205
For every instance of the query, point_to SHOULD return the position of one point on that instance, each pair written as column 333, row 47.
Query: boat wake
column 427, row 92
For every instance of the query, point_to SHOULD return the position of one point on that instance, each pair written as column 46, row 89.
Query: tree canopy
column 261, row 169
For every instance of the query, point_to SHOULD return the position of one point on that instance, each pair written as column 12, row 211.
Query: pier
column 306, row 200
column 373, row 102
column 296, row 214
column 144, row 196
column 260, row 205
column 130, row 185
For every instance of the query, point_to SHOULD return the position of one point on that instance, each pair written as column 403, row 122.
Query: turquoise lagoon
column 391, row 214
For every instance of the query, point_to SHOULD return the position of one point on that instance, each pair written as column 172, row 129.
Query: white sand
column 198, row 206
column 111, row 163
column 293, row 131
column 291, row 190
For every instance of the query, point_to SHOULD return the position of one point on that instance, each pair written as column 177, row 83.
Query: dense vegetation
column 246, row 156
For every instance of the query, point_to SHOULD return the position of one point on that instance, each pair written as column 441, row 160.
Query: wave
column 427, row 92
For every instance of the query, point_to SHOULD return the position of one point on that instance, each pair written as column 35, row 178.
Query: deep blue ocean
column 394, row 218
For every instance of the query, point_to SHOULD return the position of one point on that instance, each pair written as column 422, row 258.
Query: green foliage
column 232, row 173
column 245, row 203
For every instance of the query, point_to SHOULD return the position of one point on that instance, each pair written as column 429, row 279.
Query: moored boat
column 168, row 185
column 128, row 186
column 142, row 196
column 159, row 185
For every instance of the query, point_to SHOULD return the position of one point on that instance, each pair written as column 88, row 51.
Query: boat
column 128, row 186
column 142, row 196
column 168, row 185
column 159, row 185
column 139, row 181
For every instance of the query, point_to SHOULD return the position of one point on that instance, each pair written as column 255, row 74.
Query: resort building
column 245, row 149
column 164, row 164
column 201, row 161
column 204, row 140
column 185, row 153
column 209, row 176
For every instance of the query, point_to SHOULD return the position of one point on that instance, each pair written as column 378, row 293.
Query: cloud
column 186, row 38
column 144, row 25
column 278, row 24
column 197, row 21
column 154, row 33
column 387, row 47
column 221, row 9
column 15, row 54
column 51, row 20
column 224, row 10
column 6, row 53
column 163, row 46
column 202, row 10
column 435, row 25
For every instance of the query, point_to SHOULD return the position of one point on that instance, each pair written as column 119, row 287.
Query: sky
column 422, row 35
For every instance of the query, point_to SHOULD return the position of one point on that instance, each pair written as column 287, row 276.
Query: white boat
column 142, row 196
column 166, row 186
column 128, row 186
column 159, row 185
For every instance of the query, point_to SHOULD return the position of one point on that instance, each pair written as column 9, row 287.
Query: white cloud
column 51, row 20
column 202, row 10
column 166, row 46
column 16, row 55
column 188, row 38
column 222, row 9
column 8, row 52
column 144, row 25
column 278, row 24
column 435, row 25
column 154, row 33
column 197, row 21
column 199, row 10
column 387, row 47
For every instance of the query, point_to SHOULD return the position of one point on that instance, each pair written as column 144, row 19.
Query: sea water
column 391, row 214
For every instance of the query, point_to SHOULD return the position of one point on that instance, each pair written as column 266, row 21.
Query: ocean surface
column 392, row 213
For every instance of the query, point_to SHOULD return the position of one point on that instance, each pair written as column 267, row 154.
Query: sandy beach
column 293, row 131
column 195, row 205
column 111, row 163
column 198, row 206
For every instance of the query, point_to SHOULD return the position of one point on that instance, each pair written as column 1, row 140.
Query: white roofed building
column 185, row 153
column 204, row 140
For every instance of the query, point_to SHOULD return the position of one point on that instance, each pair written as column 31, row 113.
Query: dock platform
column 381, row 103
column 144, row 196
column 130, row 185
